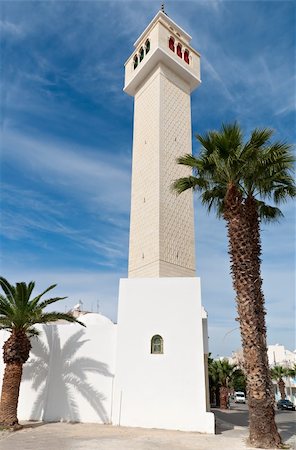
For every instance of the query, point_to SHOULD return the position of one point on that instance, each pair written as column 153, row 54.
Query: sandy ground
column 53, row 436
column 65, row 436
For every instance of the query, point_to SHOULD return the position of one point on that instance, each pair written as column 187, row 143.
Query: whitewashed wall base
column 161, row 390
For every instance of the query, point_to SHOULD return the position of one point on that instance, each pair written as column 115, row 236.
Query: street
column 238, row 416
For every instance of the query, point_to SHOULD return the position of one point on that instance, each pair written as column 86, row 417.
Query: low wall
column 70, row 373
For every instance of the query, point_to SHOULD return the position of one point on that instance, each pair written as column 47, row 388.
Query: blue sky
column 67, row 137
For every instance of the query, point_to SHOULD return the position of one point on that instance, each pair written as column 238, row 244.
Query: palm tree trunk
column 281, row 385
column 253, row 222
column 250, row 307
column 10, row 394
column 223, row 394
column 217, row 396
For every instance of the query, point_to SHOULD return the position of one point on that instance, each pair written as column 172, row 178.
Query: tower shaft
column 162, row 224
column 160, row 75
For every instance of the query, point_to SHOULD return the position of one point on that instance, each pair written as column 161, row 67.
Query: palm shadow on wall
column 56, row 373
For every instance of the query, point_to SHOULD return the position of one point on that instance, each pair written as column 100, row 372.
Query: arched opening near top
column 141, row 53
column 136, row 61
column 157, row 344
column 172, row 43
column 147, row 46
column 186, row 56
column 179, row 50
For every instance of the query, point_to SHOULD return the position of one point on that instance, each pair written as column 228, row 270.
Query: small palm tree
column 19, row 314
column 277, row 373
column 222, row 376
column 236, row 178
column 213, row 381
column 225, row 373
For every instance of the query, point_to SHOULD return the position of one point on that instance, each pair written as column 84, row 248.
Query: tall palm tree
column 236, row 178
column 278, row 373
column 19, row 314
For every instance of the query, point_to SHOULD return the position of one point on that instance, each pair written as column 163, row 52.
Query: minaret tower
column 160, row 74
column 161, row 350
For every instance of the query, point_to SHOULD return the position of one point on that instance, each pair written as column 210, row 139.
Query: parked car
column 239, row 397
column 285, row 404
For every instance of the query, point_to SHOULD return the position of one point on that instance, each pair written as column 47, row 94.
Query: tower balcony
column 163, row 42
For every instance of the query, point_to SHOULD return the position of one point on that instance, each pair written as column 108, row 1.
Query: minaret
column 161, row 344
column 161, row 74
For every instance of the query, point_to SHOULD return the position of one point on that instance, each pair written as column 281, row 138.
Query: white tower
column 160, row 74
column 160, row 379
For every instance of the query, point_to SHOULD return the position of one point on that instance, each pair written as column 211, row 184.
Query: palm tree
column 225, row 375
column 222, row 376
column 19, row 314
column 277, row 373
column 236, row 178
column 213, row 381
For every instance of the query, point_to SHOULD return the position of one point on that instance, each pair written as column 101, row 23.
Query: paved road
column 238, row 416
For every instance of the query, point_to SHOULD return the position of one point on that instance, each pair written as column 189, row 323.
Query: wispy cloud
column 74, row 170
column 10, row 28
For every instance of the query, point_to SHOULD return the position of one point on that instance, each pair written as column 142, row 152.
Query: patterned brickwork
column 144, row 225
column 176, row 212
column 162, row 228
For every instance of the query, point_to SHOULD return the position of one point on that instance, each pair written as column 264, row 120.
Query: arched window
column 147, row 46
column 141, row 53
column 179, row 50
column 172, row 43
column 186, row 56
column 136, row 61
column 157, row 344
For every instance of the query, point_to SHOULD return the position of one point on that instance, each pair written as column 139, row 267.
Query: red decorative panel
column 179, row 50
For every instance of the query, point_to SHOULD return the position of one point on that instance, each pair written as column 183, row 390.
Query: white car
column 239, row 397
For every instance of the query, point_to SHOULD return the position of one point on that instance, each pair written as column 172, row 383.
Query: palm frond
column 189, row 160
column 8, row 289
column 260, row 136
column 33, row 332
column 282, row 193
column 214, row 198
column 49, row 301
column 268, row 213
column 185, row 183
column 208, row 141
column 53, row 317
column 35, row 300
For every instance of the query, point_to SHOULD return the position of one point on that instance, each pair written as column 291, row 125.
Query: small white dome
column 94, row 319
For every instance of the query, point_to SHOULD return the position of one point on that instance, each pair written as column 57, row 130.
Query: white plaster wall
column 70, row 373
column 161, row 391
